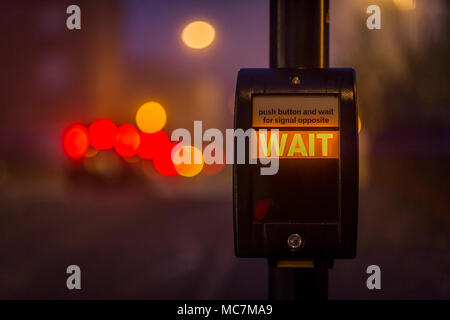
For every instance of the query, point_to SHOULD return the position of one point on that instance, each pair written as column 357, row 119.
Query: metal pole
column 298, row 282
column 299, row 34
column 299, row 38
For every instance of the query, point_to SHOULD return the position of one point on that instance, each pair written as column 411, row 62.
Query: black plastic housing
column 326, row 235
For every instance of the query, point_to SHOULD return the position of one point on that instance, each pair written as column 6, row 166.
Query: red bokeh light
column 213, row 168
column 152, row 144
column 76, row 141
column 163, row 161
column 261, row 208
column 127, row 140
column 102, row 134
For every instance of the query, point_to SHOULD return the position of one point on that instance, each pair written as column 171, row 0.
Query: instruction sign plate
column 276, row 111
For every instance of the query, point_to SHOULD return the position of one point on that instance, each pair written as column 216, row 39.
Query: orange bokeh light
column 189, row 168
column 359, row 124
column 198, row 34
column 151, row 117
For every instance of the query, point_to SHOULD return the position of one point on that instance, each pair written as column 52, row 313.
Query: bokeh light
column 76, row 141
column 212, row 167
column 90, row 153
column 151, row 117
column 198, row 35
column 190, row 168
column 102, row 134
column 359, row 124
column 152, row 143
column 127, row 140
column 163, row 161
column 261, row 208
column 405, row 5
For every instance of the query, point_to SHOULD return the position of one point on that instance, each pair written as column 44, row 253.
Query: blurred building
column 53, row 76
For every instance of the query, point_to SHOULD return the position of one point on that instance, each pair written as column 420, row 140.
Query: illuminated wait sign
column 319, row 113
column 297, row 144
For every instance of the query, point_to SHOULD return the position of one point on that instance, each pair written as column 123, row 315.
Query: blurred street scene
column 138, row 234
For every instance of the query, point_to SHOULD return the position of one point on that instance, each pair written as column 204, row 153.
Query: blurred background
column 140, row 234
